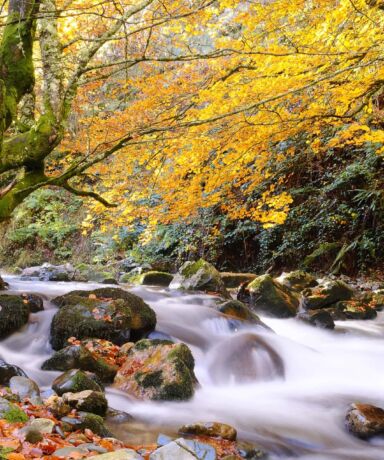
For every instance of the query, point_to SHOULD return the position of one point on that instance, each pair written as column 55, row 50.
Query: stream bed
column 287, row 390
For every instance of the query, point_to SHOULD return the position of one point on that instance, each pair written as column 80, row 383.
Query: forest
column 192, row 229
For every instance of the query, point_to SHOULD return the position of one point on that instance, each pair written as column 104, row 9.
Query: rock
column 7, row 371
column 297, row 280
column 143, row 318
column 3, row 284
column 199, row 276
column 87, row 401
column 122, row 454
column 49, row 272
column 234, row 280
column 14, row 314
column 318, row 318
column 76, row 380
column 364, row 420
column 126, row 278
column 325, row 294
column 210, row 429
column 250, row 451
column 272, row 298
column 239, row 310
column 11, row 412
column 34, row 302
column 156, row 278
column 34, row 430
column 355, row 309
column 378, row 300
column 71, row 452
column 25, row 388
column 79, row 357
column 117, row 416
column 184, row 449
column 85, row 420
column 94, row 273
column 158, row 370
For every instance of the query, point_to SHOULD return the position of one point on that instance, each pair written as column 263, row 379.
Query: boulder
column 318, row 318
column 210, row 429
column 14, row 314
column 75, row 381
column 7, row 371
column 94, row 273
column 297, row 280
column 184, row 449
column 355, row 309
column 79, row 357
column 24, row 387
column 86, row 420
column 156, row 278
column 325, row 294
column 34, row 430
column 272, row 298
column 199, row 276
column 87, row 401
column 239, row 310
column 3, row 284
column 364, row 420
column 234, row 280
column 158, row 370
column 34, row 302
column 49, row 272
column 91, row 318
column 143, row 318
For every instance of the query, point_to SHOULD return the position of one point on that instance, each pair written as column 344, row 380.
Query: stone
column 199, row 276
column 143, row 318
column 11, row 412
column 355, row 309
column 318, row 318
column 34, row 302
column 272, row 298
column 76, row 380
column 79, row 357
column 365, row 420
column 157, row 370
column 297, row 280
column 7, row 371
column 239, row 310
column 49, row 272
column 85, row 420
column 325, row 294
column 183, row 449
column 210, row 429
column 122, row 454
column 87, row 401
column 34, row 430
column 14, row 313
column 154, row 278
column 3, row 284
column 234, row 280
column 67, row 452
column 25, row 388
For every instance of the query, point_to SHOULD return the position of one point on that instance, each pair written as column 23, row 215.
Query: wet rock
column 199, row 276
column 239, row 310
column 210, row 429
column 3, row 284
column 325, row 294
column 250, row 451
column 184, row 449
column 143, row 318
column 49, row 272
column 355, row 309
column 34, row 302
column 79, row 357
column 156, row 278
column 25, row 388
column 117, row 416
column 318, row 318
column 158, row 370
column 122, row 454
column 87, row 401
column 234, row 280
column 364, row 420
column 14, row 314
column 297, row 280
column 76, row 380
column 84, row 420
column 7, row 371
column 272, row 298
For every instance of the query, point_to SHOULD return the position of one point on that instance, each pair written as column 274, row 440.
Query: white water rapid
column 286, row 390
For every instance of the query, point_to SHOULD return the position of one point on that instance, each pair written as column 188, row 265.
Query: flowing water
column 286, row 390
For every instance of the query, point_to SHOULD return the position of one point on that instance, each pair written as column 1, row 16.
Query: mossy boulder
column 272, row 298
column 7, row 371
column 91, row 318
column 94, row 273
column 239, row 310
column 34, row 302
column 143, row 318
column 297, row 280
column 79, row 357
column 234, row 280
column 154, row 278
column 87, row 401
column 325, row 294
column 355, row 309
column 319, row 318
column 76, row 380
column 157, row 370
column 199, row 276
column 86, row 420
column 14, row 314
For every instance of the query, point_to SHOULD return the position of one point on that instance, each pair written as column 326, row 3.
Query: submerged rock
column 158, row 370
column 7, row 371
column 272, row 298
column 199, row 276
column 365, row 420
column 318, row 318
column 143, row 318
column 210, row 429
column 234, row 280
column 297, row 280
column 14, row 314
column 325, row 294
column 76, row 380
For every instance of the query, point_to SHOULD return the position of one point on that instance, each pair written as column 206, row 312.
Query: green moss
column 150, row 379
column 324, row 250
column 193, row 267
column 144, row 344
column 15, row 414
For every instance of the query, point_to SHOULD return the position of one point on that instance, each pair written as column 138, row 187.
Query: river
column 286, row 390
